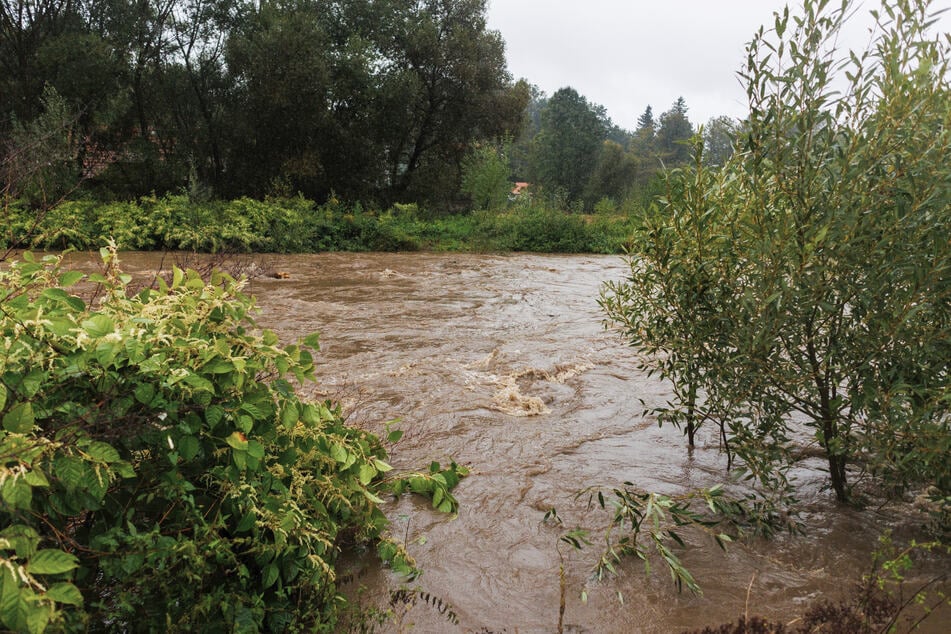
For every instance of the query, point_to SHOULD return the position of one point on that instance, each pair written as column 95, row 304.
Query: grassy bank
column 298, row 225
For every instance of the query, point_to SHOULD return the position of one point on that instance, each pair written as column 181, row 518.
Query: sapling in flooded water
column 800, row 294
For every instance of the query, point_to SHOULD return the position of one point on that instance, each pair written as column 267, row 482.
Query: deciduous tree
column 801, row 294
column 567, row 146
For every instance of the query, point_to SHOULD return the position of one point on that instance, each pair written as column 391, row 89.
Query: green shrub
column 63, row 226
column 539, row 228
column 296, row 225
column 485, row 177
column 158, row 470
column 800, row 294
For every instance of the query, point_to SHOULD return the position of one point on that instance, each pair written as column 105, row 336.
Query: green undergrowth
column 158, row 470
column 298, row 225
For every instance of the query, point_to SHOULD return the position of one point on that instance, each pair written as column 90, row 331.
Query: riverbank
column 298, row 225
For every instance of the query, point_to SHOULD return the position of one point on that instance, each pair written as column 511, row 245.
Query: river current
column 502, row 363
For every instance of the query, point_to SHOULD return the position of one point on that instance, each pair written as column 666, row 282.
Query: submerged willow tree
column 801, row 294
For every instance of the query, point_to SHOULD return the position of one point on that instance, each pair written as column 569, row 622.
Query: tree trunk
column 837, row 461
column 691, row 414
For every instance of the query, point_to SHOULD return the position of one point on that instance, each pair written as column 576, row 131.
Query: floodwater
column 502, row 363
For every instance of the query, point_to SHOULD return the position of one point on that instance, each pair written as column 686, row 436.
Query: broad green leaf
column 420, row 485
column 124, row 469
column 290, row 416
column 23, row 539
column 70, row 471
column 9, row 597
column 36, row 478
column 366, row 474
column 381, row 466
column 144, row 393
column 98, row 325
column 51, row 561
column 339, row 453
column 37, row 617
column 255, row 449
column 188, row 447
column 69, row 278
column 61, row 327
column 64, row 592
column 103, row 452
column 246, row 523
column 198, row 382
column 220, row 366
column 132, row 563
column 3, row 396
column 76, row 303
column 31, row 382
column 310, row 414
column 270, row 576
column 19, row 420
column 213, row 415
column 55, row 294
column 372, row 497
column 252, row 410
column 245, row 424
column 238, row 441
column 16, row 493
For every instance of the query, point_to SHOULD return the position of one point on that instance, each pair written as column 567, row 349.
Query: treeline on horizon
column 381, row 102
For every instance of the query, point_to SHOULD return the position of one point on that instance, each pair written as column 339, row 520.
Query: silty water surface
column 502, row 363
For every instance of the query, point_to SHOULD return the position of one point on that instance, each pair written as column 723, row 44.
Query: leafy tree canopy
column 801, row 293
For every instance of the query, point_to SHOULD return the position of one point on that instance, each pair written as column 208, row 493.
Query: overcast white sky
column 626, row 54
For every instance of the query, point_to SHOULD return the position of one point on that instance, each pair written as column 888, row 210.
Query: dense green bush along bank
column 297, row 225
column 158, row 470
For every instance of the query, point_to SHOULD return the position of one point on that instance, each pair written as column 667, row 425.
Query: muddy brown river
column 502, row 363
